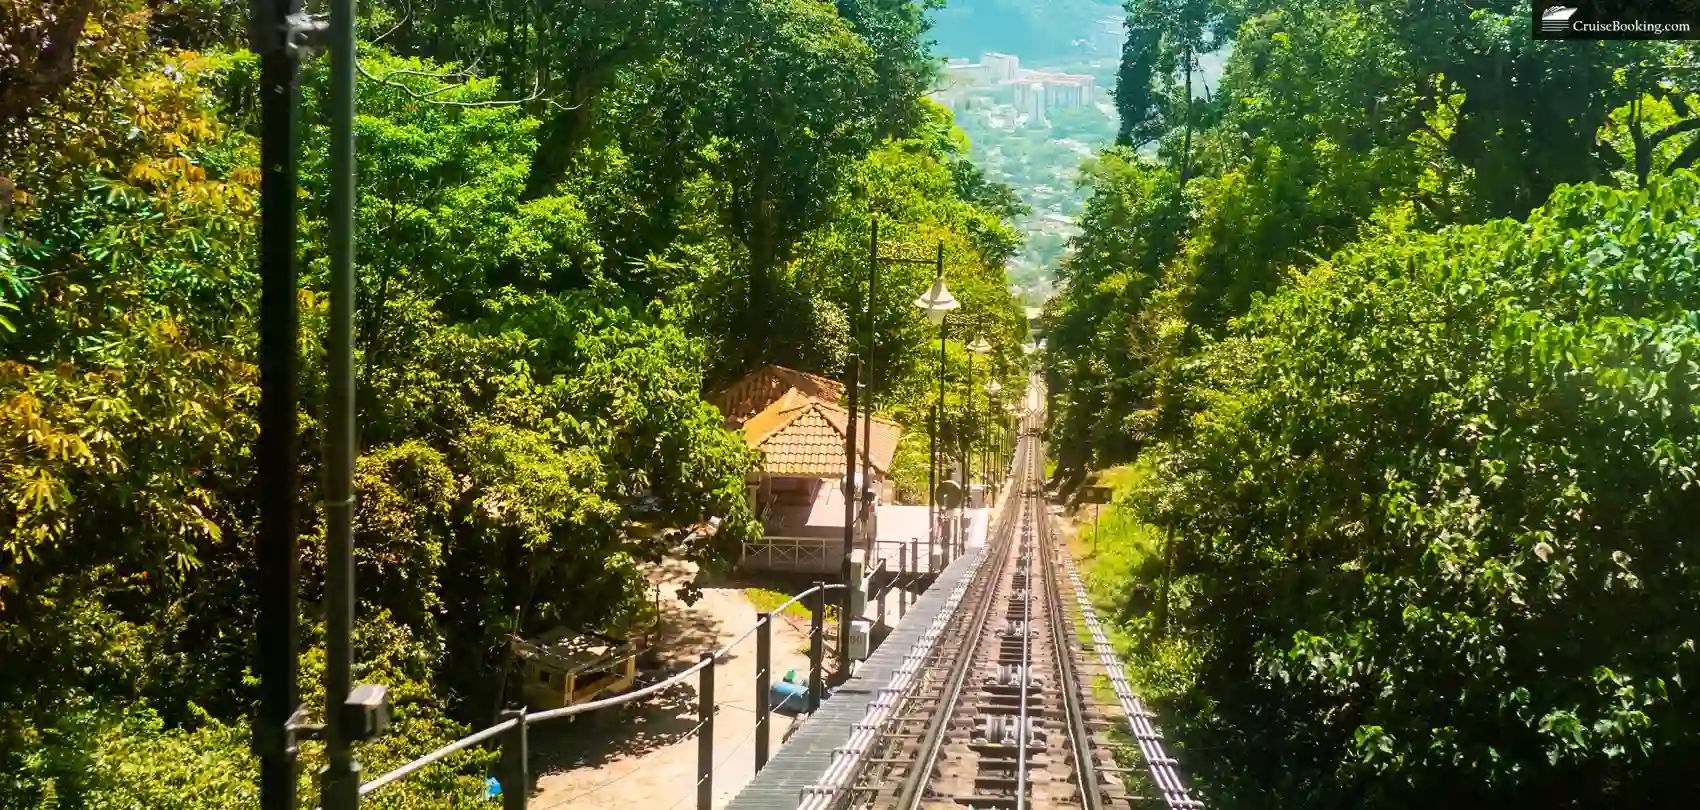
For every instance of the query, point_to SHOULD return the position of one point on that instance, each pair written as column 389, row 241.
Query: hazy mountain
column 1035, row 30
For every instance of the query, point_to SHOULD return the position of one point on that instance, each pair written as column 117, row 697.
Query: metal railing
column 1162, row 766
column 511, row 734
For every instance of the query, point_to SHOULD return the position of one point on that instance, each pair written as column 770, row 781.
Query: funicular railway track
column 997, row 717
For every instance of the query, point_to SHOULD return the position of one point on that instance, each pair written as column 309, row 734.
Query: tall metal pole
column 341, row 779
column 276, row 554
column 937, row 449
column 968, row 442
column 932, row 472
column 935, row 472
column 868, row 406
column 851, row 497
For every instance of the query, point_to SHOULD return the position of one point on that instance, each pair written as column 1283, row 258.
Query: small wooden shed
column 566, row 668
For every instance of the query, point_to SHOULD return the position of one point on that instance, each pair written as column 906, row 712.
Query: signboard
column 1096, row 495
column 949, row 495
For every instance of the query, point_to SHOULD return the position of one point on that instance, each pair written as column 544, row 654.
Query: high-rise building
column 999, row 67
column 1029, row 97
column 1107, row 36
column 1064, row 94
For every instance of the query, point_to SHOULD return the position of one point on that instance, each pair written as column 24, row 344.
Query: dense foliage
column 573, row 219
column 1397, row 328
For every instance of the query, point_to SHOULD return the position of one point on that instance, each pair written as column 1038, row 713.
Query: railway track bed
column 1000, row 715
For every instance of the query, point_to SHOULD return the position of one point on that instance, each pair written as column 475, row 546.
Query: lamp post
column 868, row 405
column 936, row 303
column 989, row 451
column 1010, row 424
column 979, row 346
column 874, row 260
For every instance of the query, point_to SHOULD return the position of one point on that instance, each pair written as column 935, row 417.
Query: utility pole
column 340, row 781
column 868, row 406
column 851, row 497
column 277, row 35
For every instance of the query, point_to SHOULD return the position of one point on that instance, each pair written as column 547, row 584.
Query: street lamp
column 979, row 346
column 988, row 450
column 936, row 303
column 1010, row 425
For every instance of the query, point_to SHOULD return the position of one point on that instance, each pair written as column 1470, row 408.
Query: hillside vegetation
column 1399, row 332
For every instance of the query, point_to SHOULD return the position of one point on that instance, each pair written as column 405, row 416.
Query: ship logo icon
column 1556, row 19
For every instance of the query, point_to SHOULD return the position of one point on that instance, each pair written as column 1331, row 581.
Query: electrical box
column 366, row 712
column 859, row 631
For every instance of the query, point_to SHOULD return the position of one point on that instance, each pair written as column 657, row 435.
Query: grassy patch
column 765, row 601
column 1121, row 561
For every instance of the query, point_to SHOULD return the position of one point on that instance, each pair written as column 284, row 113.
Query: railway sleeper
column 1007, row 681
column 988, row 698
column 1034, row 707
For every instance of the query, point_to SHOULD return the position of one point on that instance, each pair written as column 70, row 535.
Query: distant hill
column 1035, row 30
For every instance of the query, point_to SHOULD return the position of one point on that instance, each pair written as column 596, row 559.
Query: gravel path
column 643, row 756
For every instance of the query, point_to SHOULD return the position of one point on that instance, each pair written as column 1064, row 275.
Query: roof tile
column 803, row 436
column 756, row 391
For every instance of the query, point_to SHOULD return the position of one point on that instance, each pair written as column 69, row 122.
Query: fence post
column 516, row 782
column 884, row 593
column 948, row 541
column 764, row 683
column 817, row 645
column 903, row 570
column 705, row 736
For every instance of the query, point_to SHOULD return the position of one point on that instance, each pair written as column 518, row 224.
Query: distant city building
column 962, row 83
column 1064, row 95
column 1029, row 97
column 999, row 67
column 1107, row 36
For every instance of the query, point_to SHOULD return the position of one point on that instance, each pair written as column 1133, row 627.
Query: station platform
column 804, row 758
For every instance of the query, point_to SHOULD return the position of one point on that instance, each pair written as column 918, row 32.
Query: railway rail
column 996, row 714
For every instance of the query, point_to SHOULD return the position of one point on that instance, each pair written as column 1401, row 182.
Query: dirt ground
column 643, row 756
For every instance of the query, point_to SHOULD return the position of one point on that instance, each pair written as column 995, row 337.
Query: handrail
column 435, row 756
column 567, row 711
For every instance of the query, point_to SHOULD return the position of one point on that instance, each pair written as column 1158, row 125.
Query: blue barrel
column 786, row 697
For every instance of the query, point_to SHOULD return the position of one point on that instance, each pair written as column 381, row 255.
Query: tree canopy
column 1395, row 330
column 573, row 220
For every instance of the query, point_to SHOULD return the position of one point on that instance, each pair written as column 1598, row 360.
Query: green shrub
column 1435, row 517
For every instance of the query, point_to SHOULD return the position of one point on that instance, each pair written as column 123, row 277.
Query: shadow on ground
column 631, row 730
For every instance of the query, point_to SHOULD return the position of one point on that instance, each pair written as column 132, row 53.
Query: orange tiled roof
column 756, row 391
column 803, row 436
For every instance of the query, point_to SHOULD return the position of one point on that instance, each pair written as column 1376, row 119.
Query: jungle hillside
column 1389, row 349
column 574, row 219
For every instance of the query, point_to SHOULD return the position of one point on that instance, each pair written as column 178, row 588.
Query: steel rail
column 851, row 758
column 1023, row 734
column 1162, row 766
column 912, row 791
column 1068, row 682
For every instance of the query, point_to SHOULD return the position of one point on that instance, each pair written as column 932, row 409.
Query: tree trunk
column 560, row 138
column 42, row 61
column 1186, row 140
column 764, row 246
